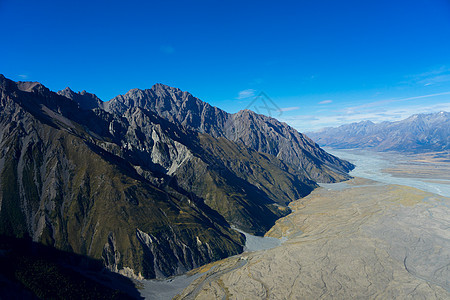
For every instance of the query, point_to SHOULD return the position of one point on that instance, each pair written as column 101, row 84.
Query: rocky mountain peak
column 84, row 99
column 5, row 82
column 256, row 131
column 245, row 112
column 67, row 90
column 68, row 93
column 163, row 88
column 367, row 123
column 135, row 92
column 25, row 86
column 29, row 86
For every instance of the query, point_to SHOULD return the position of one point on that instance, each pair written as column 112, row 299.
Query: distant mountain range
column 418, row 133
column 149, row 182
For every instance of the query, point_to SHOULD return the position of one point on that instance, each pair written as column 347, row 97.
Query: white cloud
column 325, row 101
column 289, row 108
column 167, row 49
column 23, row 76
column 246, row 94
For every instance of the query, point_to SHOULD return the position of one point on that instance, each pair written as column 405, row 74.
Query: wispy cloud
column 388, row 101
column 433, row 77
column 436, row 80
column 325, row 101
column 246, row 94
column 422, row 96
column 290, row 108
column 167, row 49
column 23, row 76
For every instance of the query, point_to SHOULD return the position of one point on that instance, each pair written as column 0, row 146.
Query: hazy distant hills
column 149, row 182
column 418, row 133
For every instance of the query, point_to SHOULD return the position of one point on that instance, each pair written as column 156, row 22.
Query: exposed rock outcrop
column 258, row 132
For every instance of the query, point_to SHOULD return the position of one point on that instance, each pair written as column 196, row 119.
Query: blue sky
column 323, row 63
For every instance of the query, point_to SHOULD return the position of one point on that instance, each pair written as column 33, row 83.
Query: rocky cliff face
column 258, row 132
column 148, row 196
column 268, row 135
column 418, row 133
column 62, row 189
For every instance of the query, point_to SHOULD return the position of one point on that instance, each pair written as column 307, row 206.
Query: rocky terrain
column 416, row 134
column 355, row 240
column 258, row 132
column 148, row 195
column 61, row 188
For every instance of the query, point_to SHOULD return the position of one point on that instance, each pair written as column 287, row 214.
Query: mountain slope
column 202, row 165
column 147, row 196
column 418, row 133
column 63, row 190
column 258, row 132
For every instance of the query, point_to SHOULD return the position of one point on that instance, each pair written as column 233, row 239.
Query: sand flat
column 362, row 240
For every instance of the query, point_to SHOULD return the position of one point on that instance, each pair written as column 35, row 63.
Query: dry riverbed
column 426, row 165
column 362, row 239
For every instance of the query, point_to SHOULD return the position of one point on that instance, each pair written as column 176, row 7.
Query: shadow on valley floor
column 31, row 270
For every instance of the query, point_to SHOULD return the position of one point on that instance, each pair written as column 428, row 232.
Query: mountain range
column 418, row 133
column 149, row 182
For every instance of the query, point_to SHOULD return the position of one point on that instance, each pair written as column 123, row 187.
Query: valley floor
column 364, row 240
column 360, row 239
